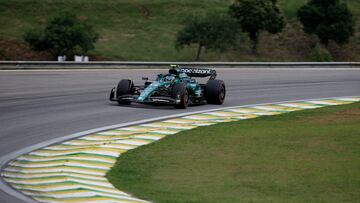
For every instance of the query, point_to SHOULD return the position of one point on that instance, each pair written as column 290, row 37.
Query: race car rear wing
column 199, row 72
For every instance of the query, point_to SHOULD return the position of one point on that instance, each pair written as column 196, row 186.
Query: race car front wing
column 134, row 98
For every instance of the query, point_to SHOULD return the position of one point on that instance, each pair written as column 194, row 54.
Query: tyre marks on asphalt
column 74, row 170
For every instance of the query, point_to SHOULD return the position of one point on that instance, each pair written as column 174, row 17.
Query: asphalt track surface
column 36, row 106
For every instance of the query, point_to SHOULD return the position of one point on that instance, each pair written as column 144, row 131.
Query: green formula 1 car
column 178, row 88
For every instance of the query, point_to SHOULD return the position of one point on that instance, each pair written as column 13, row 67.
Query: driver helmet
column 174, row 69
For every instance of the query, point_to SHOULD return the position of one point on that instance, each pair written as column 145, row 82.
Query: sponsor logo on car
column 196, row 70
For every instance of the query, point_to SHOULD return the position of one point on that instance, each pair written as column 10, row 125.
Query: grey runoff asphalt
column 36, row 106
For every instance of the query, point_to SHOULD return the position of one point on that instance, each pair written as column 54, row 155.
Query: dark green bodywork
column 167, row 81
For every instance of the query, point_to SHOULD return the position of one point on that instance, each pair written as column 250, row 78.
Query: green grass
column 146, row 30
column 307, row 156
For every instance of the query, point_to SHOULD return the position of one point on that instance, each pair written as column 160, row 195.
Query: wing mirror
column 145, row 78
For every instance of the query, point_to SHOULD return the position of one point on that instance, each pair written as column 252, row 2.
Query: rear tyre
column 180, row 92
column 124, row 87
column 215, row 92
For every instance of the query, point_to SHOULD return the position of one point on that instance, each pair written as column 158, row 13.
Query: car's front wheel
column 181, row 95
column 124, row 87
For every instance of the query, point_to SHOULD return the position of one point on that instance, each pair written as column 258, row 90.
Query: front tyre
column 124, row 87
column 181, row 95
column 215, row 92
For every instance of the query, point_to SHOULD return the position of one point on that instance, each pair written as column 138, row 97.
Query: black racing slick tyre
column 181, row 95
column 124, row 87
column 215, row 92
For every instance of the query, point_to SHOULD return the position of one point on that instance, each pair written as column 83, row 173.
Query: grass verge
column 306, row 156
column 146, row 30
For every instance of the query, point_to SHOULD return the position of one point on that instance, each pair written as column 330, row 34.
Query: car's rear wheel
column 124, row 87
column 215, row 92
column 181, row 95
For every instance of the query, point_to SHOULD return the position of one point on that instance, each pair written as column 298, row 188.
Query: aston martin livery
column 177, row 88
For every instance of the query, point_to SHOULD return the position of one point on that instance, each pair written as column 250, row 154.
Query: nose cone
column 148, row 91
